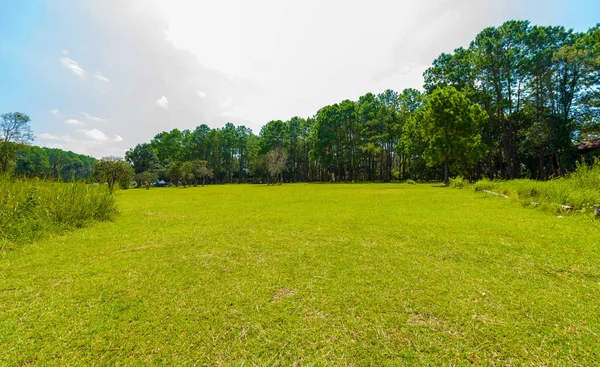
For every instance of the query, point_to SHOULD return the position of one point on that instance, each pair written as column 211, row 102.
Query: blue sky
column 99, row 76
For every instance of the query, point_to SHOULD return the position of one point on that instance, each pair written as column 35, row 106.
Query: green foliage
column 146, row 179
column 142, row 158
column 452, row 125
column 32, row 208
column 66, row 165
column 113, row 170
column 458, row 182
column 201, row 171
column 186, row 173
column 276, row 160
column 579, row 190
column 42, row 162
column 410, row 182
column 14, row 133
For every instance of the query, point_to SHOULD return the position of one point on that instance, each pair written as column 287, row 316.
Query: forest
column 511, row 105
column 53, row 163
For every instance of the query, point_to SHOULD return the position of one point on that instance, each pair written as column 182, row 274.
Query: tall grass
column 579, row 190
column 458, row 182
column 29, row 208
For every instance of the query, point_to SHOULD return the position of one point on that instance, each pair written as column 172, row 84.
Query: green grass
column 324, row 274
column 579, row 190
column 33, row 208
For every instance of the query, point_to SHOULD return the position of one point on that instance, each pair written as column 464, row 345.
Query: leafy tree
column 200, row 169
column 186, row 173
column 168, row 146
column 14, row 133
column 276, row 160
column 142, row 158
column 452, row 127
column 146, row 179
column 112, row 170
column 174, row 173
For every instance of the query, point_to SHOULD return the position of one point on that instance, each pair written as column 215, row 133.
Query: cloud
column 202, row 94
column 226, row 103
column 162, row 102
column 48, row 136
column 118, row 138
column 92, row 117
column 74, row 122
column 95, row 134
column 73, row 66
column 101, row 78
column 54, row 111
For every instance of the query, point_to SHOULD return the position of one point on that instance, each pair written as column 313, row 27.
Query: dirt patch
column 283, row 293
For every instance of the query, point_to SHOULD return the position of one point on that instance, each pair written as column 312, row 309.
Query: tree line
column 20, row 158
column 510, row 105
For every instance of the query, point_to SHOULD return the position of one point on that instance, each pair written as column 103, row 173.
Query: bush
column 410, row 182
column 29, row 208
column 458, row 182
column 484, row 184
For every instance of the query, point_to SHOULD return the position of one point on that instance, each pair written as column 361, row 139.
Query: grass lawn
column 301, row 274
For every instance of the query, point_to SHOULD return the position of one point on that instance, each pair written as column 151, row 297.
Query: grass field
column 374, row 274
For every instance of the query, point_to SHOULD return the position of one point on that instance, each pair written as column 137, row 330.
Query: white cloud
column 74, row 122
column 202, row 94
column 226, row 103
column 54, row 111
column 96, row 134
column 101, row 78
column 162, row 102
column 73, row 66
column 118, row 138
column 92, row 117
column 48, row 136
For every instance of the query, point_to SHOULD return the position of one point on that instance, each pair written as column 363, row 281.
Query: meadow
column 307, row 274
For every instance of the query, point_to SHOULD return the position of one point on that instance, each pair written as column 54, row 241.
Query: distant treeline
column 511, row 105
column 34, row 161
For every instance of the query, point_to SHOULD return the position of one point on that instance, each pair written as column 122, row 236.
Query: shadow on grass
column 440, row 186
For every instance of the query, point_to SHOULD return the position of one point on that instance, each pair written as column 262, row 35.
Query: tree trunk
column 541, row 172
column 446, row 180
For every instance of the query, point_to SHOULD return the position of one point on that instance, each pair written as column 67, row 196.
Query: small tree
column 452, row 125
column 14, row 133
column 186, row 172
column 201, row 170
column 174, row 173
column 146, row 179
column 112, row 170
column 276, row 160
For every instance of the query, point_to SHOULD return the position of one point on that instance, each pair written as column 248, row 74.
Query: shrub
column 484, row 184
column 410, row 182
column 29, row 208
column 458, row 182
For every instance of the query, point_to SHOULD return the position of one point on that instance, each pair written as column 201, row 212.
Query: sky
column 99, row 76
